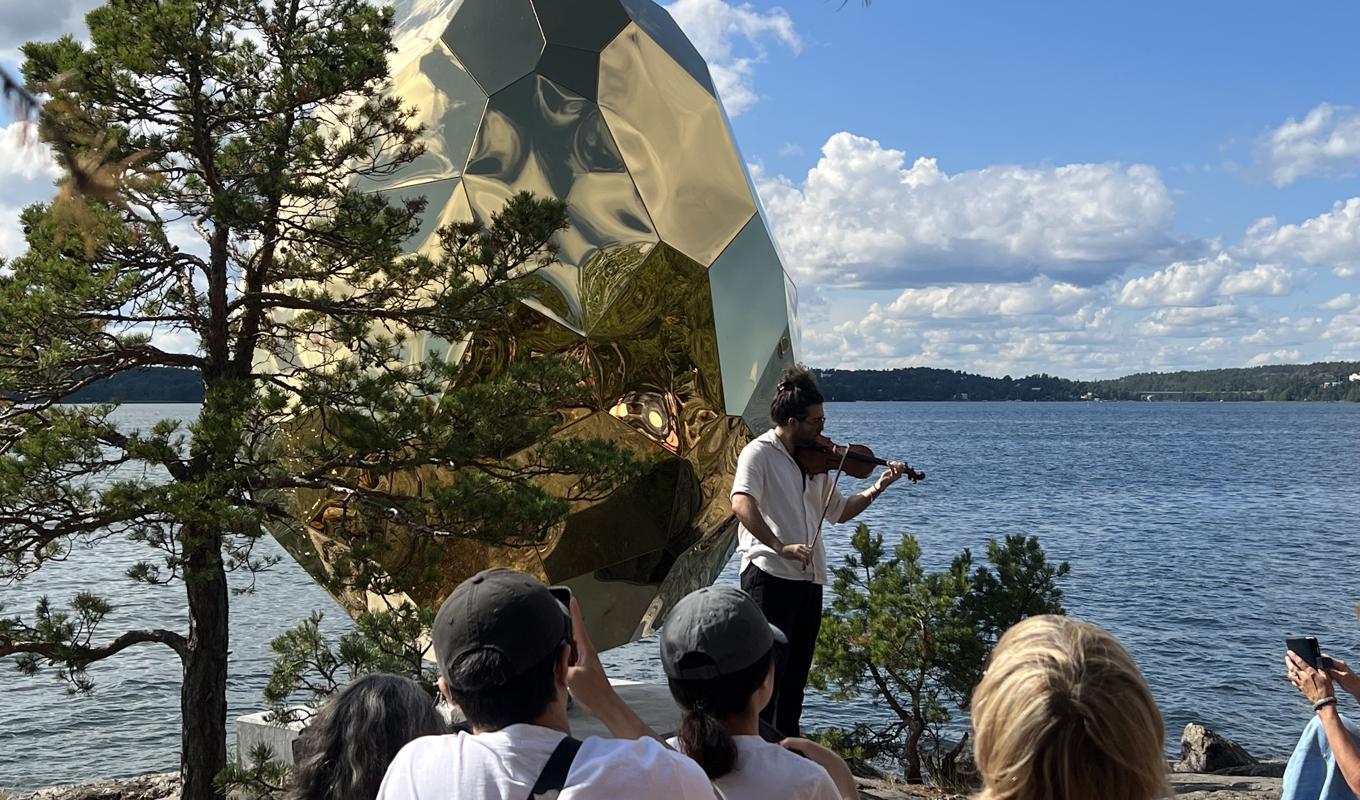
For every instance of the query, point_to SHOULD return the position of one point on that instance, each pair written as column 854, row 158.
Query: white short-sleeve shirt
column 791, row 504
column 505, row 765
column 765, row 770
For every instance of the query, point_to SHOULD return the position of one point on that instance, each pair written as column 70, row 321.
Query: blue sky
column 1084, row 189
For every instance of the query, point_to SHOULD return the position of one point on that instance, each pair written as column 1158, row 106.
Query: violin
column 854, row 460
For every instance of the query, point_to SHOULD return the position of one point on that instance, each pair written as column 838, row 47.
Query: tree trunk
column 203, row 693
column 912, row 756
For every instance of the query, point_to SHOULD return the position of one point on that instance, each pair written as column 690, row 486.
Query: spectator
column 346, row 749
column 1063, row 714
column 1326, row 763
column 507, row 652
column 717, row 651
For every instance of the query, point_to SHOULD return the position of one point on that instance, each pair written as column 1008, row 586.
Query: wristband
column 1324, row 702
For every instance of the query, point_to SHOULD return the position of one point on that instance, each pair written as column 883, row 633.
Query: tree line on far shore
column 1324, row 381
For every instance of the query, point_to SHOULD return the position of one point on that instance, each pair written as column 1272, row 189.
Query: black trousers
column 794, row 607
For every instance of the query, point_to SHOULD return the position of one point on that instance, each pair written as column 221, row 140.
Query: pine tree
column 917, row 641
column 244, row 126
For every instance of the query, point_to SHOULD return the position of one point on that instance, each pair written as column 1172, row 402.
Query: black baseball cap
column 500, row 610
column 715, row 631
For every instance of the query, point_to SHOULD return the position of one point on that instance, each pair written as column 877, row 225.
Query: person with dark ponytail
column 780, row 511
column 718, row 653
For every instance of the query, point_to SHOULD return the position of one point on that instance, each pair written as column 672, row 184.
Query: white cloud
column 40, row 20
column 1039, row 296
column 23, row 157
column 26, row 20
column 1274, row 357
column 1343, row 331
column 1181, row 284
column 965, row 327
column 1192, row 321
column 1262, row 280
column 862, row 217
column 1211, row 345
column 175, row 340
column 1204, row 281
column 732, row 39
column 1342, row 302
column 790, row 149
column 1331, row 239
column 1286, row 331
column 1326, row 142
column 26, row 175
column 11, row 237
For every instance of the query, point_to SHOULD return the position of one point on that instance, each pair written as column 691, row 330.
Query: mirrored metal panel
column 541, row 137
column 661, row 27
column 417, row 25
column 584, row 24
column 757, row 409
column 440, row 210
column 499, row 41
column 675, row 141
column 791, row 302
column 449, row 103
column 749, row 311
column 578, row 70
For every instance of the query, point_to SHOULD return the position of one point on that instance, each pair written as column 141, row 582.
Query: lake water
column 1200, row 534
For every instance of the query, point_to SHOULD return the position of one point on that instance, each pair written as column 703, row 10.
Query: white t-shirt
column 790, row 503
column 766, row 770
column 505, row 765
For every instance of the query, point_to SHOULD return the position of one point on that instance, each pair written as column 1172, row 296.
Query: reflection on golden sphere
column 669, row 289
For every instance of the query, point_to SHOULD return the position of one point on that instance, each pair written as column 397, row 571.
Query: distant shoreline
column 1337, row 381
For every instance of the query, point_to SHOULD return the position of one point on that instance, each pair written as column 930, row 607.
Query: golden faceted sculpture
column 669, row 288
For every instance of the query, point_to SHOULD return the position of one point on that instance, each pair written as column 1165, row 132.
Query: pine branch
column 80, row 656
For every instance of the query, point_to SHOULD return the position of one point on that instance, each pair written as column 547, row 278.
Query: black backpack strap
column 553, row 778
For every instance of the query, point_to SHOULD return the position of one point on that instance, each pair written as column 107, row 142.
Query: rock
column 889, row 788
column 1265, row 769
column 144, row 787
column 1202, row 750
column 1224, row 787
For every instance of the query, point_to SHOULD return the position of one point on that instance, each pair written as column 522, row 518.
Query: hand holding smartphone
column 1306, row 648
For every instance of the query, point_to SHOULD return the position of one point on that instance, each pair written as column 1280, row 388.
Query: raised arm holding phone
column 1326, row 762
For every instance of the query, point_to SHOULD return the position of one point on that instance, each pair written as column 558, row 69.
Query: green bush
column 917, row 642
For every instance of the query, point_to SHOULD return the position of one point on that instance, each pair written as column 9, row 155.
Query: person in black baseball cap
column 508, row 651
column 717, row 650
column 495, row 638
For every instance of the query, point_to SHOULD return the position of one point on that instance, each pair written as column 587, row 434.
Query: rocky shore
column 1211, row 767
column 1188, row 786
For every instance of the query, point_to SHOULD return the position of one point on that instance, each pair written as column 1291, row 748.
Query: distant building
column 1355, row 376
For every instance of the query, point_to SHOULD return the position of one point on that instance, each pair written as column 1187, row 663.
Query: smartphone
column 1306, row 648
column 563, row 595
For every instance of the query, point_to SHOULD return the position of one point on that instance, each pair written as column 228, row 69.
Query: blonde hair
column 1063, row 714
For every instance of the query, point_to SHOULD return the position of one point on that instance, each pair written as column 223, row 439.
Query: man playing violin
column 780, row 509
